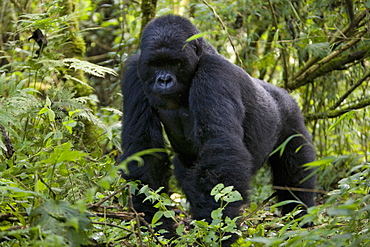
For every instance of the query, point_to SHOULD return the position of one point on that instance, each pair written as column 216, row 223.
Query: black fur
column 222, row 123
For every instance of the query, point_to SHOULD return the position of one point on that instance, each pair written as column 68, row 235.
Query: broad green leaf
column 63, row 153
column 157, row 216
column 227, row 189
column 217, row 189
column 169, row 214
column 51, row 115
column 43, row 110
column 217, row 213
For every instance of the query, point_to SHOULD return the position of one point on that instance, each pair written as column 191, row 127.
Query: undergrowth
column 58, row 176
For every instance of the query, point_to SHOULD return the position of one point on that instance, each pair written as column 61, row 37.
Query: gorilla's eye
column 173, row 62
column 165, row 62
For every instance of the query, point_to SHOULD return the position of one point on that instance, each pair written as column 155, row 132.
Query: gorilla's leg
column 288, row 172
column 197, row 184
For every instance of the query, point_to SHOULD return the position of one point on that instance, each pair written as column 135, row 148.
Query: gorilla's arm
column 219, row 113
column 141, row 130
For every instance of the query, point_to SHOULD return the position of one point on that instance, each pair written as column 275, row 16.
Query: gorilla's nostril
column 164, row 81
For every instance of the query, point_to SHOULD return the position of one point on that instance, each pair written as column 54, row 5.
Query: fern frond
column 68, row 77
column 90, row 68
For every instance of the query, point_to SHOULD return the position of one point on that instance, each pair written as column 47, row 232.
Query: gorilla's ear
column 198, row 47
column 199, row 44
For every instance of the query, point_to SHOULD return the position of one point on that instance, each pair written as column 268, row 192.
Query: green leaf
column 281, row 148
column 43, row 110
column 180, row 230
column 144, row 190
column 227, row 189
column 40, row 186
column 64, row 153
column 93, row 69
column 196, row 36
column 104, row 183
column 56, row 216
column 276, row 36
column 51, row 115
column 200, row 223
column 217, row 214
column 321, row 162
column 347, row 116
column 233, row 196
column 217, row 189
column 169, row 214
column 279, row 204
column 16, row 192
column 157, row 216
column 68, row 77
column 48, row 102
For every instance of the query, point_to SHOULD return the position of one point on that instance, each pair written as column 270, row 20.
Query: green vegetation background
column 60, row 119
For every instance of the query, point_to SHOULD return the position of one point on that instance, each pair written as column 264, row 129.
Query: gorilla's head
column 167, row 62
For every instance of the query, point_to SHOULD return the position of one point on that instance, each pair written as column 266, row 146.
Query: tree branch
column 344, row 96
column 331, row 62
column 227, row 33
column 92, row 206
column 336, row 37
column 335, row 113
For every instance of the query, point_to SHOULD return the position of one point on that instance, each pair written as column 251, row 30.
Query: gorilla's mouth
column 168, row 101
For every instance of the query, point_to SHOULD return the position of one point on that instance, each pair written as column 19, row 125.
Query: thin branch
column 150, row 230
column 108, row 197
column 344, row 96
column 113, row 225
column 299, row 189
column 283, row 51
column 227, row 33
column 48, row 186
column 136, row 215
column 349, row 28
column 114, row 215
column 259, row 206
column 139, row 219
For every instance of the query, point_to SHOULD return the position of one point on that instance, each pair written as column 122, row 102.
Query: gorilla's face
column 167, row 65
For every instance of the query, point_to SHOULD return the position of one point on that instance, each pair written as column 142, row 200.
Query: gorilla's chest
column 179, row 126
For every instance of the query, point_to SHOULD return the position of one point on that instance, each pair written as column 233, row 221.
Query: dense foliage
column 60, row 119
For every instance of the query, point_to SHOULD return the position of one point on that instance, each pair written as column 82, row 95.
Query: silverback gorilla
column 222, row 124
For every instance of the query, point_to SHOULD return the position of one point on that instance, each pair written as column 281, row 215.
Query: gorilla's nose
column 164, row 81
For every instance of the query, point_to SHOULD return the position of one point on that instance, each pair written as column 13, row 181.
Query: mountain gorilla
column 222, row 124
